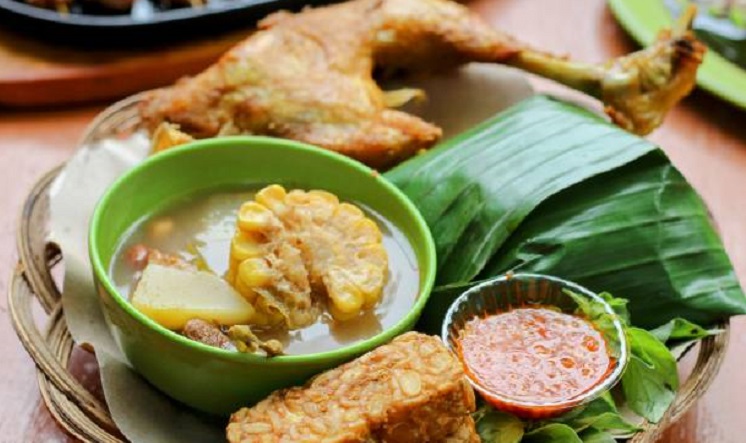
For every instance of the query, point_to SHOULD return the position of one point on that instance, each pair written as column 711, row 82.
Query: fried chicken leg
column 309, row 77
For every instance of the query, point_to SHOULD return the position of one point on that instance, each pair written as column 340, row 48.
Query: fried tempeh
column 412, row 389
column 466, row 433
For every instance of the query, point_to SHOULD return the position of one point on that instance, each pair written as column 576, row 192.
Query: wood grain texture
column 33, row 73
column 705, row 138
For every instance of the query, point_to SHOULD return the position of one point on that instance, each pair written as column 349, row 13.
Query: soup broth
column 199, row 230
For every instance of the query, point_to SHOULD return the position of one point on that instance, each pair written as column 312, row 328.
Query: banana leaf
column 475, row 189
column 549, row 187
column 640, row 232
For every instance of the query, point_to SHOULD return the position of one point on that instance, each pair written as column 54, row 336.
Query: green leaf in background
column 494, row 426
column 640, row 232
column 651, row 379
column 608, row 421
column 552, row 433
column 474, row 190
column 600, row 414
column 604, row 403
column 678, row 330
column 595, row 436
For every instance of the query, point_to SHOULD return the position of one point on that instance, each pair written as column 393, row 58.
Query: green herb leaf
column 601, row 319
column 552, row 433
column 608, row 421
column 678, row 330
column 618, row 305
column 494, row 426
column 584, row 304
column 651, row 378
column 601, row 414
column 595, row 436
column 604, row 403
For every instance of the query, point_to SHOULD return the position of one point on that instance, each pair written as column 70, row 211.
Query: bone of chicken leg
column 309, row 77
column 637, row 90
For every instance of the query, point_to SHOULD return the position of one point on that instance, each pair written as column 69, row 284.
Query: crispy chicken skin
column 309, row 77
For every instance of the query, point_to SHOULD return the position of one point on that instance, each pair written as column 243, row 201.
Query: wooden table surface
column 704, row 137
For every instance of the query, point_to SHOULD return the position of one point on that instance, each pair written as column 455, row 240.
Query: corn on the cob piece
column 269, row 271
column 410, row 390
column 289, row 245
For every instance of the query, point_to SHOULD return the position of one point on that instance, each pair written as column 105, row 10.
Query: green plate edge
column 644, row 18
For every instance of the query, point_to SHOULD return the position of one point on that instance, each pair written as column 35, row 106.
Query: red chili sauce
column 535, row 355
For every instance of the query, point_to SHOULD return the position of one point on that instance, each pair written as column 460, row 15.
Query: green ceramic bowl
column 211, row 379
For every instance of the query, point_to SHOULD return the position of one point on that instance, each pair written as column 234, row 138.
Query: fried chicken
column 310, row 77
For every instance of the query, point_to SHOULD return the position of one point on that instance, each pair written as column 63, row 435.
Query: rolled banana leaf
column 549, row 187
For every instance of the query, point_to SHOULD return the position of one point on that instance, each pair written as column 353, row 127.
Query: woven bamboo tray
column 87, row 418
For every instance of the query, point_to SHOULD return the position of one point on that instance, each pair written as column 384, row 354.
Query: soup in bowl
column 232, row 267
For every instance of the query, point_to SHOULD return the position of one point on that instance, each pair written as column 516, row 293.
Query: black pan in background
column 147, row 25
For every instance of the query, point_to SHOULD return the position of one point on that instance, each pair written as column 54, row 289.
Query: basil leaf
column 494, row 426
column 601, row 414
column 602, row 320
column 552, row 433
column 680, row 329
column 595, row 436
column 651, row 378
column 607, row 421
column 618, row 305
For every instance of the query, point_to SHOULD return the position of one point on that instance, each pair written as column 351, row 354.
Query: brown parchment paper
column 456, row 101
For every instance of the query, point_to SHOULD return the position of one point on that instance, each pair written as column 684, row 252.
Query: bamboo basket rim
column 77, row 411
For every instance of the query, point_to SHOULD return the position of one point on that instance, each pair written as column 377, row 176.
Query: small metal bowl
column 521, row 291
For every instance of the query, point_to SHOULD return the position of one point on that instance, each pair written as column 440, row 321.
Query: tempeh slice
column 412, row 389
column 466, row 432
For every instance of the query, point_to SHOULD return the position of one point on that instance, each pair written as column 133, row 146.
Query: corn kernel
column 348, row 213
column 245, row 246
column 374, row 254
column 369, row 281
column 246, row 291
column 365, row 231
column 373, row 291
column 297, row 197
column 253, row 217
column 338, row 315
column 319, row 196
column 254, row 272
column 322, row 205
column 343, row 293
column 272, row 197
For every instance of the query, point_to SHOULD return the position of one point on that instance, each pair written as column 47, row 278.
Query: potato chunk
column 294, row 249
column 172, row 296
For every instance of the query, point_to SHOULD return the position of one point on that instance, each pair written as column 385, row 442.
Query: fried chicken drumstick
column 309, row 77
